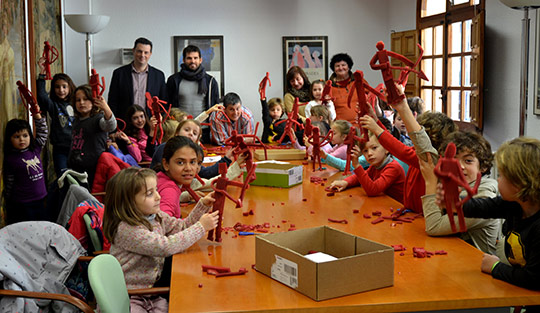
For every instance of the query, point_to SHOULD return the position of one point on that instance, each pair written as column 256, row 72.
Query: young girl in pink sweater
column 141, row 235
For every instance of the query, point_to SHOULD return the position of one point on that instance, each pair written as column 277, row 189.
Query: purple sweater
column 25, row 181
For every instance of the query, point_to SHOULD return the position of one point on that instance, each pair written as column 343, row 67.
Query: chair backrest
column 96, row 242
column 108, row 284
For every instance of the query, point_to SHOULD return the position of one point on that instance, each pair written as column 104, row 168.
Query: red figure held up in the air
column 291, row 123
column 239, row 144
column 28, row 99
column 350, row 142
column 262, row 85
column 327, row 91
column 50, row 54
column 156, row 107
column 97, row 87
column 449, row 171
column 317, row 143
column 381, row 57
column 220, row 192
column 363, row 107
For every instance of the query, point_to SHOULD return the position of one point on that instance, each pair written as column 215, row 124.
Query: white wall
column 502, row 74
column 252, row 31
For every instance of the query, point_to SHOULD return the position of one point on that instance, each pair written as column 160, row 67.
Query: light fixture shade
column 87, row 23
column 521, row 4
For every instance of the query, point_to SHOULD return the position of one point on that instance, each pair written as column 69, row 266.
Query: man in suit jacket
column 130, row 82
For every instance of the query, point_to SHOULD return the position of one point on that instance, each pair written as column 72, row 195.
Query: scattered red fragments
column 402, row 254
column 211, row 272
column 441, row 252
column 338, row 221
column 311, row 212
column 356, row 211
column 245, row 213
column 218, row 269
column 200, row 285
column 376, row 213
column 241, row 271
column 330, row 194
column 210, row 253
column 282, row 203
column 305, row 163
column 367, row 216
column 312, row 251
column 377, row 220
column 398, row 247
column 284, row 221
column 293, row 226
column 304, row 199
column 291, row 229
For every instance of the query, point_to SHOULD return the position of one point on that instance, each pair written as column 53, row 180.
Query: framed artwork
column 211, row 52
column 308, row 52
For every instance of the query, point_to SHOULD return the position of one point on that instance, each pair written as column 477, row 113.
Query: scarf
column 302, row 94
column 197, row 75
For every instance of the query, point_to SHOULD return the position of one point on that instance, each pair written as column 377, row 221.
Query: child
column 474, row 155
column 321, row 114
column 518, row 164
column 272, row 113
column 341, row 129
column 298, row 86
column 233, row 117
column 316, row 94
column 93, row 120
column 427, row 133
column 142, row 236
column 58, row 105
column 25, row 189
column 384, row 174
column 416, row 104
column 138, row 130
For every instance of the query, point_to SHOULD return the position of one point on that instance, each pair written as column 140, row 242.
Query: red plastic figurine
column 28, row 99
column 192, row 192
column 291, row 124
column 363, row 107
column 308, row 131
column 262, row 85
column 449, row 171
column 50, row 54
column 220, row 192
column 240, row 146
column 97, row 87
column 350, row 141
column 327, row 91
column 156, row 107
column 381, row 57
column 317, row 143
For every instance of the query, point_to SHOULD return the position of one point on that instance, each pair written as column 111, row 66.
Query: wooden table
column 452, row 281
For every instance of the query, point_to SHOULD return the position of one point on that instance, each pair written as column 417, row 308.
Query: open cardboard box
column 362, row 264
column 272, row 174
column 280, row 154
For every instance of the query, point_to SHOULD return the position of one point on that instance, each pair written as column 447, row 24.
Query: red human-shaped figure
column 363, row 106
column 327, row 91
column 239, row 144
column 449, row 171
column 28, row 99
column 291, row 123
column 220, row 193
column 308, row 131
column 156, row 107
column 381, row 61
column 404, row 75
column 50, row 54
column 317, row 143
column 350, row 141
column 262, row 85
column 97, row 87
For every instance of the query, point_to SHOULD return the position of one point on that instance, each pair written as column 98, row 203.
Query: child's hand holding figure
column 209, row 199
column 215, row 108
column 153, row 123
column 369, row 123
column 403, row 103
column 355, row 154
column 427, row 169
column 229, row 153
column 339, row 185
column 242, row 159
column 41, row 64
column 101, row 103
column 209, row 221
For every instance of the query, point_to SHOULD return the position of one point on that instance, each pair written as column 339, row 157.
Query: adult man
column 233, row 117
column 192, row 89
column 130, row 82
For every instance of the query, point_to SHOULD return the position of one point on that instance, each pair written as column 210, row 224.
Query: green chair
column 96, row 243
column 109, row 286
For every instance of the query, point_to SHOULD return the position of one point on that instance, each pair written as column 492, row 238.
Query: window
column 451, row 33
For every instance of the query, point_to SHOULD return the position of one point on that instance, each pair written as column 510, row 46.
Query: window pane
column 438, row 72
column 454, row 71
column 467, row 32
column 456, row 2
column 432, row 7
column 467, row 105
column 454, row 37
column 427, row 67
column 454, row 99
column 437, row 100
column 438, row 40
column 426, row 95
column 467, row 69
column 427, row 41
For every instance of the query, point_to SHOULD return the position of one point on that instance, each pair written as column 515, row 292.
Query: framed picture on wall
column 309, row 53
column 211, row 53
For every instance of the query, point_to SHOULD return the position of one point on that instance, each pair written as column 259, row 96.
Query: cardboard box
column 280, row 154
column 362, row 264
column 277, row 174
